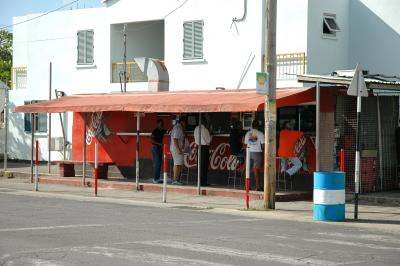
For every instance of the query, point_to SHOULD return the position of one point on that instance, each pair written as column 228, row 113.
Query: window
column 40, row 120
column 85, row 47
column 193, row 40
column 19, row 76
column 329, row 25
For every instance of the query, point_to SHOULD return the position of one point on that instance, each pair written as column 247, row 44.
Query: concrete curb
column 189, row 190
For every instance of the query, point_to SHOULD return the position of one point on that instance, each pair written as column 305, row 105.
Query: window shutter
column 89, row 47
column 198, row 39
column 81, row 47
column 188, row 48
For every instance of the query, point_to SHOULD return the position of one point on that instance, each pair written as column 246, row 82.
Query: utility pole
column 125, row 58
column 270, row 105
column 6, row 103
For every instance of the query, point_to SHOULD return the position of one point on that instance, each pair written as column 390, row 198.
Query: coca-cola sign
column 220, row 157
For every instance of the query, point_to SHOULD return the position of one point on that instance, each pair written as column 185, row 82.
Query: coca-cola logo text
column 220, row 157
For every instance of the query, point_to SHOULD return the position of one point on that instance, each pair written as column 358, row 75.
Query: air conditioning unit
column 56, row 144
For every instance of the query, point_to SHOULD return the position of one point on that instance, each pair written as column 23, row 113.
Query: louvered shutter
column 188, row 48
column 89, row 47
column 81, row 47
column 198, row 39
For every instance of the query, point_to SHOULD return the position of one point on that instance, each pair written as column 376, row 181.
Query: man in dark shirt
column 235, row 138
column 157, row 141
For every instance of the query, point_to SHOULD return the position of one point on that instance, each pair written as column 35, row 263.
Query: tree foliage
column 5, row 56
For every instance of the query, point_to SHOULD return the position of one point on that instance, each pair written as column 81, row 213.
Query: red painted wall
column 121, row 150
column 118, row 149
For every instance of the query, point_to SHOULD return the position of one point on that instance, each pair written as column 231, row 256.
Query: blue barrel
column 329, row 196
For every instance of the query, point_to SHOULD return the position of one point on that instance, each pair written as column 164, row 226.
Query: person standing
column 236, row 138
column 176, row 148
column 205, row 150
column 289, row 141
column 255, row 140
column 157, row 140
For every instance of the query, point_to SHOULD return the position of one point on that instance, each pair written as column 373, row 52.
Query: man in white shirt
column 205, row 150
column 176, row 148
column 255, row 140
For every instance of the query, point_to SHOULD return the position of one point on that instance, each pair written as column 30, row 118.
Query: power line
column 21, row 22
column 149, row 25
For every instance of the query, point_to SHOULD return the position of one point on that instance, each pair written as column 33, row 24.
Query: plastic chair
column 233, row 173
column 185, row 171
column 281, row 173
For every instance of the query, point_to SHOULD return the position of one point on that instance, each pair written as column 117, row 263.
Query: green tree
column 5, row 56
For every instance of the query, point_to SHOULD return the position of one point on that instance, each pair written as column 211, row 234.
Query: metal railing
column 19, row 77
column 291, row 64
column 133, row 72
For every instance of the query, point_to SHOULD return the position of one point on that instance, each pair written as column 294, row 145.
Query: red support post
column 247, row 192
column 37, row 153
column 342, row 160
column 248, row 171
column 165, row 177
column 37, row 166
column 165, row 159
column 96, row 169
column 96, row 174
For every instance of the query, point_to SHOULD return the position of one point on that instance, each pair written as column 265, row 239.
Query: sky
column 11, row 8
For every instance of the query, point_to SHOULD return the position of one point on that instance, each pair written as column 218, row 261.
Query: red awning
column 170, row 102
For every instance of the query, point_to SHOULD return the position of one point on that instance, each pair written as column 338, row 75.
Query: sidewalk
column 23, row 170
column 371, row 216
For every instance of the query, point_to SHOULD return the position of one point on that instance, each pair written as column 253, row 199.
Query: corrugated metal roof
column 372, row 81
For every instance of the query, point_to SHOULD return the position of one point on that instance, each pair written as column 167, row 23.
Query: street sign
column 357, row 86
column 359, row 89
column 262, row 83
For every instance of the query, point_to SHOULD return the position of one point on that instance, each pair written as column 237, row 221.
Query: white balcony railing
column 291, row 64
column 133, row 72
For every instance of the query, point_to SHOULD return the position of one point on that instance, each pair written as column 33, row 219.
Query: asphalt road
column 47, row 231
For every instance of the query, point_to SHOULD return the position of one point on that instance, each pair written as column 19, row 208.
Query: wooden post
column 270, row 107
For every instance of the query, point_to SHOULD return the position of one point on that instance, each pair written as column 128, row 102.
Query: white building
column 204, row 44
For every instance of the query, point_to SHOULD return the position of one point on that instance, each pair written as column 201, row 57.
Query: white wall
column 292, row 19
column 52, row 38
column 226, row 50
column 375, row 35
column 326, row 55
